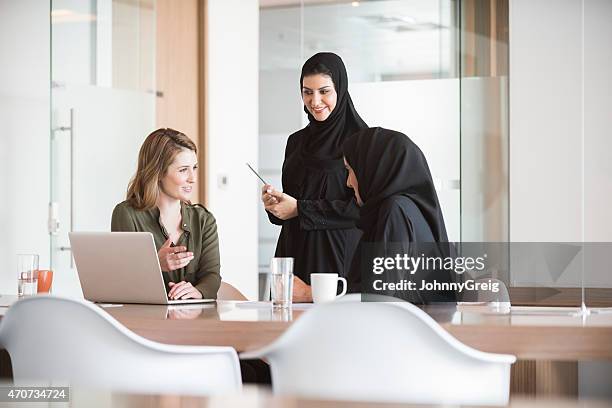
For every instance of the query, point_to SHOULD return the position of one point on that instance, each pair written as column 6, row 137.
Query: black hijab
column 324, row 139
column 388, row 163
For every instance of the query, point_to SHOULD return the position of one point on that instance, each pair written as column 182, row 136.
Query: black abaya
column 323, row 237
column 400, row 215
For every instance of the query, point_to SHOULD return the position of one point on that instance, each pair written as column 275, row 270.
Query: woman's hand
column 302, row 293
column 183, row 290
column 171, row 258
column 266, row 198
column 281, row 205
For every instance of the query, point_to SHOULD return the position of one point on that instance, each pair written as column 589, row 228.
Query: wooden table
column 530, row 333
column 527, row 332
column 547, row 341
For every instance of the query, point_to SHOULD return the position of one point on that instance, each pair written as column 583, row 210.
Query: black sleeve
column 327, row 214
column 291, row 145
column 273, row 219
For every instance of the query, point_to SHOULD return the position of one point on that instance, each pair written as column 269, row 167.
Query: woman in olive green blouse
column 158, row 201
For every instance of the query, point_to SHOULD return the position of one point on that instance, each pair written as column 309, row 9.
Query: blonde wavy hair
column 156, row 154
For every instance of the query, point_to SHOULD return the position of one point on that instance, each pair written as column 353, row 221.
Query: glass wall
column 597, row 166
column 24, row 146
column 549, row 202
column 458, row 76
column 102, row 106
column 484, row 121
column 402, row 59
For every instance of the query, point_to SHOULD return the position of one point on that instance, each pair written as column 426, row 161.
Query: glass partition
column 547, row 263
column 402, row 63
column 280, row 107
column 484, row 122
column 484, row 128
column 102, row 107
column 513, row 126
column 596, row 145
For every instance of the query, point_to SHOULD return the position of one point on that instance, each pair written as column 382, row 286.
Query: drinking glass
column 281, row 282
column 279, row 314
column 27, row 279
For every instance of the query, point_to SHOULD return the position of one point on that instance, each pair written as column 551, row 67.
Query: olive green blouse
column 199, row 236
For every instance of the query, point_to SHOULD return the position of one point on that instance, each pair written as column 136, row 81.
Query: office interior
column 508, row 99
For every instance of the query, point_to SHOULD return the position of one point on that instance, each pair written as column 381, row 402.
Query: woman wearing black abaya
column 316, row 209
column 399, row 214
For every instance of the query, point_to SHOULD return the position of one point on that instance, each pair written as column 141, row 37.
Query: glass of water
column 281, row 281
column 27, row 278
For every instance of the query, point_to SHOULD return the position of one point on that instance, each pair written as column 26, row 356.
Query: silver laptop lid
column 118, row 267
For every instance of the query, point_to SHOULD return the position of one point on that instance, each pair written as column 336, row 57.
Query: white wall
column 415, row 108
column 24, row 140
column 546, row 179
column 280, row 114
column 598, row 119
column 545, row 121
column 232, row 129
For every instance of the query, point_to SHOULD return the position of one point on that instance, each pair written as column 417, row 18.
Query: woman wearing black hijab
column 316, row 209
column 399, row 215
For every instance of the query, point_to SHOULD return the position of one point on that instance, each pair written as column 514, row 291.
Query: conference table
column 530, row 333
column 548, row 342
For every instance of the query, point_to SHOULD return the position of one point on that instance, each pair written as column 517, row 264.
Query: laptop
column 121, row 267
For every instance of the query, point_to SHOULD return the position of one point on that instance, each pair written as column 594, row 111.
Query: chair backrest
column 228, row 292
column 53, row 340
column 369, row 351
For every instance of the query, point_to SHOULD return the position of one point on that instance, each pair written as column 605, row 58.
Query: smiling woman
column 319, row 95
column 316, row 209
column 159, row 201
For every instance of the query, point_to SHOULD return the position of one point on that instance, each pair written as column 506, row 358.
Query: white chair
column 391, row 352
column 53, row 340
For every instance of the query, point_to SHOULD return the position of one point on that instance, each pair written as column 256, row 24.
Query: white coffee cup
column 325, row 285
